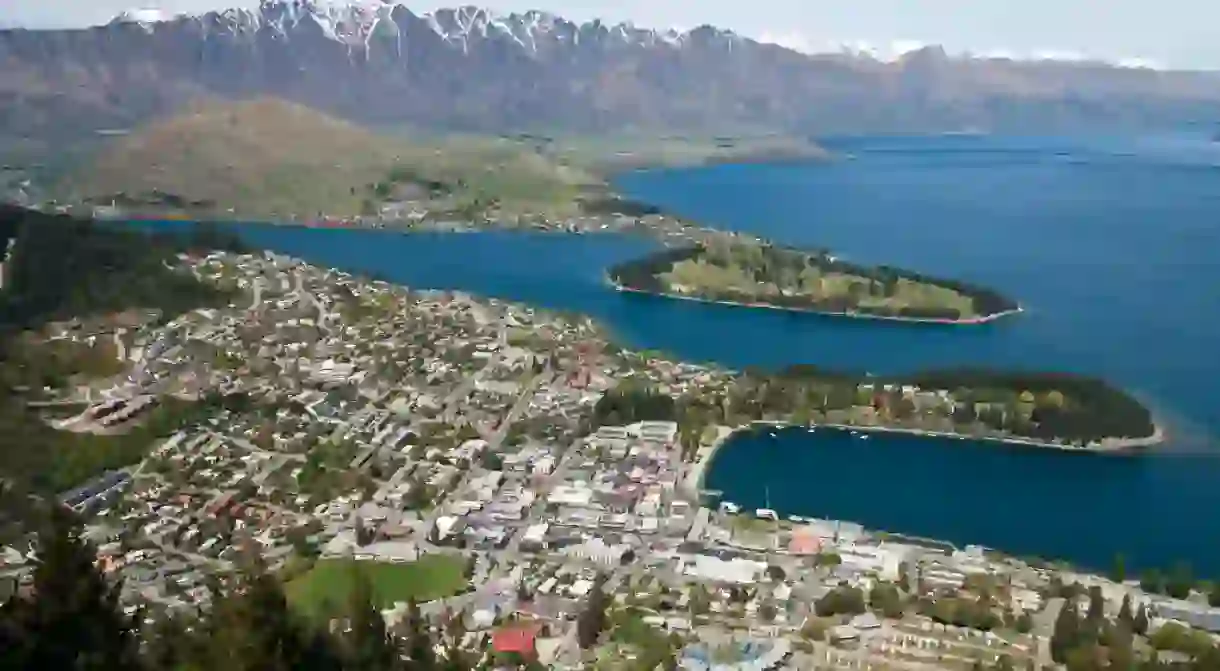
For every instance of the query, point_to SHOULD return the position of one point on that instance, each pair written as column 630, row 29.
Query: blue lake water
column 1112, row 245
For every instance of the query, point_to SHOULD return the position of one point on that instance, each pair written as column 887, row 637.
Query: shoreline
column 1107, row 446
column 970, row 321
column 697, row 475
column 744, row 158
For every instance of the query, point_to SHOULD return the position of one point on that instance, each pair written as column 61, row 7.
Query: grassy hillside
column 276, row 159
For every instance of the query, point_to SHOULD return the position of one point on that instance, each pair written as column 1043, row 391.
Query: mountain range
column 469, row 69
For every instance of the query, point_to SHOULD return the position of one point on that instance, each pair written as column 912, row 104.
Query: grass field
column 325, row 587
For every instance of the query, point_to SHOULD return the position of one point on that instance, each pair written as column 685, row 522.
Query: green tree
column 73, row 620
column 1152, row 582
column 251, row 628
column 418, row 639
column 1121, row 651
column 1125, row 617
column 1097, row 607
column 367, row 645
column 885, row 599
column 1118, row 573
column 592, row 620
column 1066, row 634
column 1180, row 582
column 700, row 601
column 1140, row 624
column 841, row 600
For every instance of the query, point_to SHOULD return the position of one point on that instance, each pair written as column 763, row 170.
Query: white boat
column 766, row 514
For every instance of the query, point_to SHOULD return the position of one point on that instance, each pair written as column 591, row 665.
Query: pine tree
column 367, row 644
column 250, row 628
column 1121, row 653
column 592, row 620
column 1140, row 624
column 1097, row 606
column 419, row 641
column 1066, row 634
column 168, row 644
column 1118, row 573
column 73, row 620
column 1125, row 618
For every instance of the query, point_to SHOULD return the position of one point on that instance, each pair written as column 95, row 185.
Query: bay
column 1111, row 244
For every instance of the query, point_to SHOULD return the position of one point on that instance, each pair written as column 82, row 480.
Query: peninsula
column 1039, row 409
column 735, row 270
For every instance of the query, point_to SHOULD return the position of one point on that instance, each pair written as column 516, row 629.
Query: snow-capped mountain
column 466, row 67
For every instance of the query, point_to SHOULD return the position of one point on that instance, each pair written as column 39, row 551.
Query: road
column 494, row 441
column 245, row 444
column 463, row 390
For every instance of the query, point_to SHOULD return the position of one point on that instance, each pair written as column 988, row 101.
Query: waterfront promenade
column 693, row 482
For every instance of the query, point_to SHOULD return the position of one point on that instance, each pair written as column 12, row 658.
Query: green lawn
column 326, row 586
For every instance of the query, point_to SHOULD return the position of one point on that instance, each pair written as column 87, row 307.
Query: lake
column 1112, row 245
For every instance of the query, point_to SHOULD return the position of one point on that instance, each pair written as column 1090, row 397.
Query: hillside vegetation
column 270, row 158
column 738, row 270
column 63, row 268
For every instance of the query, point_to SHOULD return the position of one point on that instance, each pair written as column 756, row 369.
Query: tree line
column 1035, row 405
column 65, row 267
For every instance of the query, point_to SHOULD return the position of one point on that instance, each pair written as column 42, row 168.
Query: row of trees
column 72, row 619
column 1095, row 642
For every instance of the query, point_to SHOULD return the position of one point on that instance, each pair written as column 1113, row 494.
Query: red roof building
column 516, row 638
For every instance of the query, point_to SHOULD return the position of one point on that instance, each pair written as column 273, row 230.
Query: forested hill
column 60, row 268
column 63, row 267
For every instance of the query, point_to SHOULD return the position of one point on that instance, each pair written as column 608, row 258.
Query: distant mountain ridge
column 470, row 69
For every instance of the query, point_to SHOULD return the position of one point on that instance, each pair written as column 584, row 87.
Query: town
column 460, row 450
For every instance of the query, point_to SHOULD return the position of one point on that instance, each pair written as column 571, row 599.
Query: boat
column 767, row 513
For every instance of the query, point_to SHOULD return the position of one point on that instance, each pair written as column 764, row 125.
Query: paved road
column 494, row 441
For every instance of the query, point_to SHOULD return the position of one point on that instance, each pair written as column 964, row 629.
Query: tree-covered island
column 741, row 271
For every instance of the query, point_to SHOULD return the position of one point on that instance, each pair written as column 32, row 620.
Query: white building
column 714, row 569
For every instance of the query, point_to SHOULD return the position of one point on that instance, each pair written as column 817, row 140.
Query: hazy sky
column 1176, row 33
